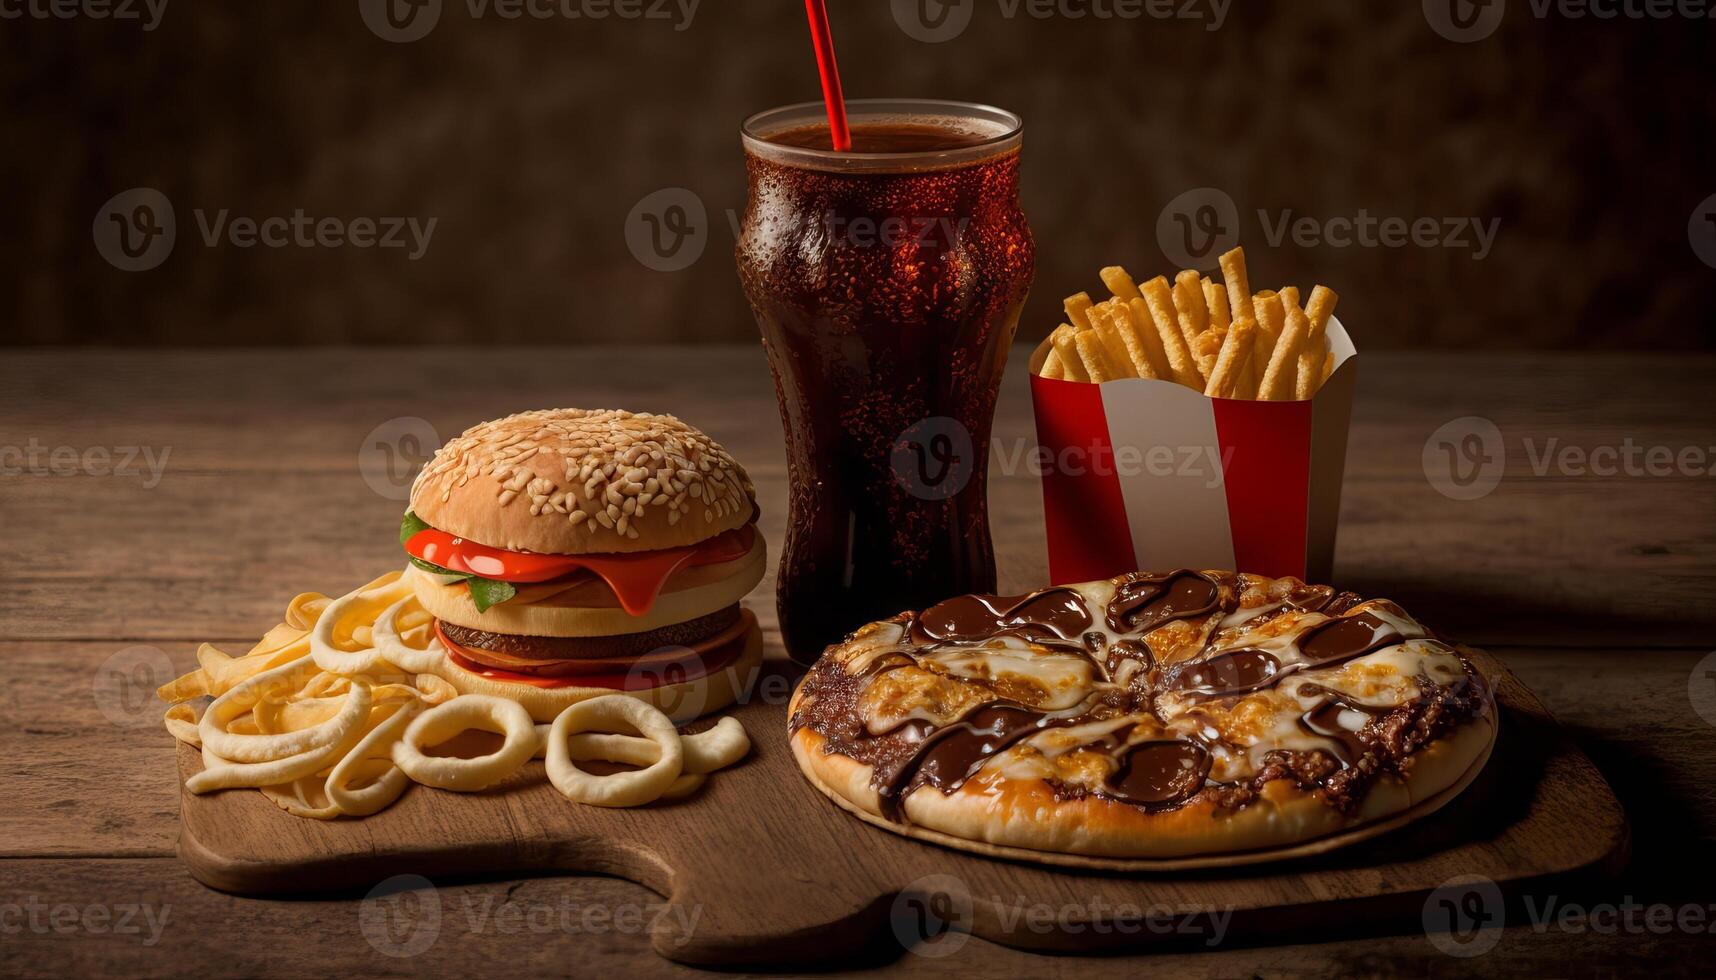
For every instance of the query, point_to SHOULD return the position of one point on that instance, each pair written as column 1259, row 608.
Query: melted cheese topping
column 943, row 682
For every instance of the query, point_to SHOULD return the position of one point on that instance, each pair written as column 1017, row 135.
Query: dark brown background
column 531, row 140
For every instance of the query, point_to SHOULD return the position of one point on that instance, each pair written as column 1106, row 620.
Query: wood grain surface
column 1592, row 589
column 771, row 871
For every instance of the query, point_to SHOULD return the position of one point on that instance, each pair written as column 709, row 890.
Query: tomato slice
column 637, row 579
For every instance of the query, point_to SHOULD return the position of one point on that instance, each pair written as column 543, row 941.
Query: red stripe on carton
column 1191, row 481
column 1083, row 511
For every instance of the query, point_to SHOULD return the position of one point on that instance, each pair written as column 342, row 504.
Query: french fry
column 1245, row 386
column 1224, row 380
column 1214, row 337
column 1052, row 367
column 1158, row 303
column 1137, row 324
column 1320, row 308
column 1238, row 280
column 1221, row 318
column 1310, row 374
column 1117, row 314
column 1067, row 349
column 1193, row 315
column 1270, row 319
column 1078, row 310
column 1119, row 358
column 1280, row 378
column 1095, row 359
column 1120, row 283
column 1208, row 348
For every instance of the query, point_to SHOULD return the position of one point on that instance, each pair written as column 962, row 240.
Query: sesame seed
column 603, row 467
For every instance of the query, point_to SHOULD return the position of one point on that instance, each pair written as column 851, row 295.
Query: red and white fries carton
column 1151, row 475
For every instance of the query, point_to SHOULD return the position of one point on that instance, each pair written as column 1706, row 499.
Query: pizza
column 1150, row 716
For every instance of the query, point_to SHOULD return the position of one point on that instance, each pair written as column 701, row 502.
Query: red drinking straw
column 823, row 41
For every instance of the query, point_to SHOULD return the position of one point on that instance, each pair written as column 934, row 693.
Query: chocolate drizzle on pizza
column 1227, row 674
column 1160, row 774
column 1052, row 614
column 1143, row 602
column 945, row 759
column 1149, row 683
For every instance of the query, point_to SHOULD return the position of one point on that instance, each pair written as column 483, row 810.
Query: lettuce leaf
column 485, row 592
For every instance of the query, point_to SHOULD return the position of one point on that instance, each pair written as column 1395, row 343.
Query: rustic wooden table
column 151, row 501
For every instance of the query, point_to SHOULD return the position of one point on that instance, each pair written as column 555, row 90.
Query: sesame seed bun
column 573, row 482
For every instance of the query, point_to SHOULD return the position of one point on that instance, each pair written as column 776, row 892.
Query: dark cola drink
column 887, row 282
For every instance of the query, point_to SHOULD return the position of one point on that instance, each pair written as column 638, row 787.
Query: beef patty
column 547, row 651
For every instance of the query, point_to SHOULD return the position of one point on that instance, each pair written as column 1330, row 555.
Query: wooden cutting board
column 775, row 872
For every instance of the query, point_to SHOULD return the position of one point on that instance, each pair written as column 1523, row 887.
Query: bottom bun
column 682, row 702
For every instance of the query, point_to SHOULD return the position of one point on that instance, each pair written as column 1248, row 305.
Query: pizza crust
column 1308, row 848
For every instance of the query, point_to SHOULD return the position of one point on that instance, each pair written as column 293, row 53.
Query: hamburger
column 567, row 554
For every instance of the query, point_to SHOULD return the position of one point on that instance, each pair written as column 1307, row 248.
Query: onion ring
column 622, row 789
column 331, row 658
column 385, row 635
column 705, row 752
column 498, row 715
column 270, row 748
column 219, row 773
column 377, row 746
